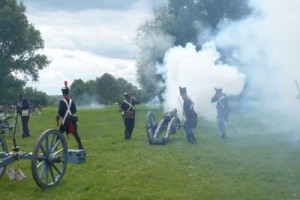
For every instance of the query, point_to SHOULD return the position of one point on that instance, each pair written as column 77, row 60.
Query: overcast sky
column 85, row 39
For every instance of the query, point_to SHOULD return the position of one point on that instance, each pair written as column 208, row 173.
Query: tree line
column 104, row 90
column 20, row 60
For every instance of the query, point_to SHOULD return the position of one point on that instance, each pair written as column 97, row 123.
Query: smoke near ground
column 259, row 53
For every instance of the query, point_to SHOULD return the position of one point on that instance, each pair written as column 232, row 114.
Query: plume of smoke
column 151, row 48
column 261, row 54
column 266, row 45
column 200, row 72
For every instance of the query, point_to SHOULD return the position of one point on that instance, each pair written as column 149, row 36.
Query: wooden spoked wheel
column 150, row 126
column 49, row 158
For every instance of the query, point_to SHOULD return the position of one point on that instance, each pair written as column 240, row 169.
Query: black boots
column 78, row 140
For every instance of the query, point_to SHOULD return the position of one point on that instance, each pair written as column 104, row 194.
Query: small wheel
column 150, row 126
column 49, row 158
column 3, row 150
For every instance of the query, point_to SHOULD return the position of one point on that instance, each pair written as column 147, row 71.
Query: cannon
column 160, row 133
column 49, row 158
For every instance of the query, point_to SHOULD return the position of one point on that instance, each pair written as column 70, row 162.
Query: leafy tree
column 19, row 44
column 125, row 86
column 107, row 89
column 110, row 90
column 81, row 92
column 12, row 88
column 35, row 97
column 177, row 24
column 189, row 17
column 53, row 99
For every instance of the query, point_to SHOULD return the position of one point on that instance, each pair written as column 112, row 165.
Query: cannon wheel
column 150, row 126
column 49, row 158
column 3, row 149
column 8, row 124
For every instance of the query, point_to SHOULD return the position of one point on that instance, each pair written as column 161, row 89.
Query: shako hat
column 182, row 90
column 127, row 94
column 65, row 90
column 218, row 91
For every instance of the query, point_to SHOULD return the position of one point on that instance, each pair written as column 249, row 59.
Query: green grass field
column 253, row 163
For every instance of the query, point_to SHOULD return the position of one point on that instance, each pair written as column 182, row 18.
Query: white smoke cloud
column 262, row 52
column 200, row 72
column 267, row 45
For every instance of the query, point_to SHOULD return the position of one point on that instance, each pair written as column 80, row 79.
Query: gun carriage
column 160, row 133
column 49, row 158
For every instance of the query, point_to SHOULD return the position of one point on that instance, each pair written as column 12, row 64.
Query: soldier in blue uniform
column 66, row 111
column 222, row 110
column 127, row 108
column 23, row 111
column 190, row 115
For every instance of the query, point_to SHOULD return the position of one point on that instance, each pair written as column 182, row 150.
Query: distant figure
column 66, row 111
column 23, row 111
column 40, row 108
column 222, row 110
column 190, row 115
column 127, row 108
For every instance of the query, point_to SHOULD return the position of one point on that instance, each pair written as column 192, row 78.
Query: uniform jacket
column 62, row 109
column 23, row 105
column 222, row 106
column 128, row 105
column 189, row 112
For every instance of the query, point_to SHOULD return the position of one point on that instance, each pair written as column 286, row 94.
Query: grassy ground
column 253, row 163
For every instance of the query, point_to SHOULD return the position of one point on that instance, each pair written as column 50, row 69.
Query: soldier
column 190, row 115
column 222, row 110
column 127, row 108
column 23, row 111
column 66, row 110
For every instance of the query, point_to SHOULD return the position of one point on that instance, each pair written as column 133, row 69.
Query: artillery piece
column 49, row 158
column 160, row 134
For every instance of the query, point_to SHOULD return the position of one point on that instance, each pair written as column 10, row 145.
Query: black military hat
column 218, row 90
column 127, row 94
column 182, row 90
column 65, row 90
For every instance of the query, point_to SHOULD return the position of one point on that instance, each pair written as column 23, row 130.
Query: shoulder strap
column 68, row 110
column 130, row 105
column 219, row 101
column 192, row 103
